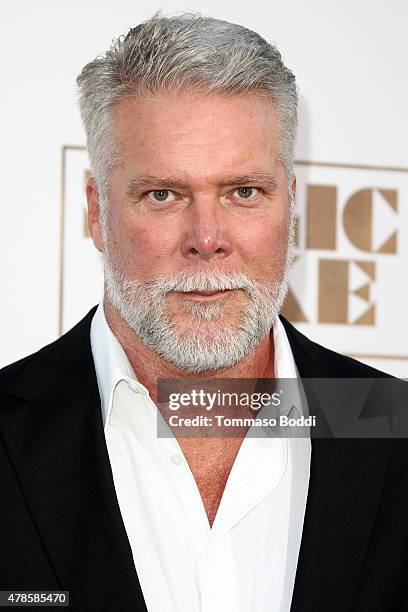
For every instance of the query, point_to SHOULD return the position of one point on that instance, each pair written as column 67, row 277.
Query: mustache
column 184, row 282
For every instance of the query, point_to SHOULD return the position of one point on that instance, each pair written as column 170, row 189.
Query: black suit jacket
column 60, row 523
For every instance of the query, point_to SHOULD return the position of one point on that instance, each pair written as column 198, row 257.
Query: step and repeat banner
column 347, row 284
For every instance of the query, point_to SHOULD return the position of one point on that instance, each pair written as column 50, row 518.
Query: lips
column 206, row 292
column 206, row 295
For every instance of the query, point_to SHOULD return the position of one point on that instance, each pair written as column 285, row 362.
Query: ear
column 94, row 226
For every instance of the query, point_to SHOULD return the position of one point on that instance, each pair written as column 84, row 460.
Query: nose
column 205, row 233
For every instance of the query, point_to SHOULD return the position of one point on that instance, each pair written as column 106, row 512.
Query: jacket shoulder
column 41, row 366
column 8, row 372
column 313, row 356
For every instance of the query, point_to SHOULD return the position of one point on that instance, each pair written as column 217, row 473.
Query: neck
column 149, row 366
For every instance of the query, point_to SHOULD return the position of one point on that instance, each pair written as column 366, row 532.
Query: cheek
column 264, row 238
column 143, row 246
column 154, row 240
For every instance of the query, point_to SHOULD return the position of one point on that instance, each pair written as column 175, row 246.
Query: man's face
column 196, row 236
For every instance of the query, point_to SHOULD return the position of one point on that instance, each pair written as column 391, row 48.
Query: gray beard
column 211, row 343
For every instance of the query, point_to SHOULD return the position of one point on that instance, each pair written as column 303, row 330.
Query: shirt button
column 176, row 459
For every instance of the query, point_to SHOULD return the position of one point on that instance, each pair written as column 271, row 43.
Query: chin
column 206, row 322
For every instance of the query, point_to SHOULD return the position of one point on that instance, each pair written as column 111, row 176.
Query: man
column 190, row 125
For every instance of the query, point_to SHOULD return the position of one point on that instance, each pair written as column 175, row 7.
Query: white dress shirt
column 245, row 562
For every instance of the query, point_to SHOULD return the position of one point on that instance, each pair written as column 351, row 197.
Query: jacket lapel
column 346, row 478
column 57, row 446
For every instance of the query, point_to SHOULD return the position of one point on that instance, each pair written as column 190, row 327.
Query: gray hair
column 186, row 52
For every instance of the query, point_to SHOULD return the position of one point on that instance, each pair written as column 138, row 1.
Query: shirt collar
column 112, row 364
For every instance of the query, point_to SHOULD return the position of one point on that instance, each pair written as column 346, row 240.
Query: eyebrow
column 139, row 183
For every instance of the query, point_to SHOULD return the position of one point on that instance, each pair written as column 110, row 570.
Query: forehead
column 197, row 133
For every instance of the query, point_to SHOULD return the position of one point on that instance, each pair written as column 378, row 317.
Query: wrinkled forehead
column 193, row 127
